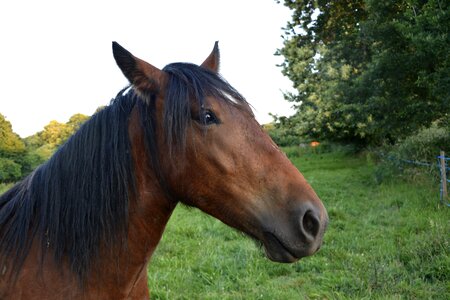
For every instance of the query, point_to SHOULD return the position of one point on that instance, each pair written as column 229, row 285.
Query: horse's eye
column 207, row 117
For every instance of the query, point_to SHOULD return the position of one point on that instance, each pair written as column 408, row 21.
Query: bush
column 282, row 136
column 424, row 146
column 5, row 186
column 10, row 171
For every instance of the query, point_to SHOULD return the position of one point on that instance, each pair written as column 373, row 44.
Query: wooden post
column 443, row 175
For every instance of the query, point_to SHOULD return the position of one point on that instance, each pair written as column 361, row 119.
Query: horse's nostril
column 310, row 224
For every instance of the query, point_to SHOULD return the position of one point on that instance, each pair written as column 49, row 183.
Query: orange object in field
column 314, row 144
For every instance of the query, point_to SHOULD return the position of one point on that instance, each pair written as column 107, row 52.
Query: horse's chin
column 276, row 251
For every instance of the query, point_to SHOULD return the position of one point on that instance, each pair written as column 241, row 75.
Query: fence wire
column 427, row 164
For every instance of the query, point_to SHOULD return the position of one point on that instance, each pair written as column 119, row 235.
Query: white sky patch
column 56, row 58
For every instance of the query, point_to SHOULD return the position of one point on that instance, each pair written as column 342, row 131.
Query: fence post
column 443, row 168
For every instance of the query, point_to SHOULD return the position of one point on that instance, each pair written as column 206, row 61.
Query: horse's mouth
column 277, row 251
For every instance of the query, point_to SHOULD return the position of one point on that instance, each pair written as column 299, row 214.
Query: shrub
column 9, row 170
column 423, row 146
column 283, row 137
column 426, row 144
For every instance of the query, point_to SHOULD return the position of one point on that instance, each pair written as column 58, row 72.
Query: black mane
column 78, row 200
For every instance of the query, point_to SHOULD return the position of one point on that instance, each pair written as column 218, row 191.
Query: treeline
column 18, row 157
column 368, row 72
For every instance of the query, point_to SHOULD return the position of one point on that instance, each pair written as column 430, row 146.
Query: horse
column 84, row 224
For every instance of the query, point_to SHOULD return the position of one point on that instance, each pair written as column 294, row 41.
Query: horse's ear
column 142, row 75
column 212, row 62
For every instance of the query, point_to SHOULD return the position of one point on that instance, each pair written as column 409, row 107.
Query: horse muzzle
column 288, row 239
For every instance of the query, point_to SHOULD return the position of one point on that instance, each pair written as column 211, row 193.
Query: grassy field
column 384, row 241
column 388, row 241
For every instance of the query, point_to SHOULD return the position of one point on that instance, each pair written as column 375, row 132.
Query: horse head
column 218, row 158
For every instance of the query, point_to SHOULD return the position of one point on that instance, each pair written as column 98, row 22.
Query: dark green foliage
column 423, row 147
column 5, row 186
column 284, row 132
column 9, row 170
column 368, row 72
column 426, row 144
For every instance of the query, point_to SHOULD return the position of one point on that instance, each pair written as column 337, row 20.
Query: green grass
column 388, row 241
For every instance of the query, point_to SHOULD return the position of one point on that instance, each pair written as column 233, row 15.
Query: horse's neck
column 147, row 220
column 149, row 213
column 125, row 275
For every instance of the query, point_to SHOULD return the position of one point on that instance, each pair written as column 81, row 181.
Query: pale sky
column 56, row 58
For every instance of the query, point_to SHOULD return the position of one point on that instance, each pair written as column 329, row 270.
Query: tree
column 367, row 71
column 20, row 157
column 10, row 142
column 11, row 150
column 56, row 133
column 10, row 171
column 75, row 122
